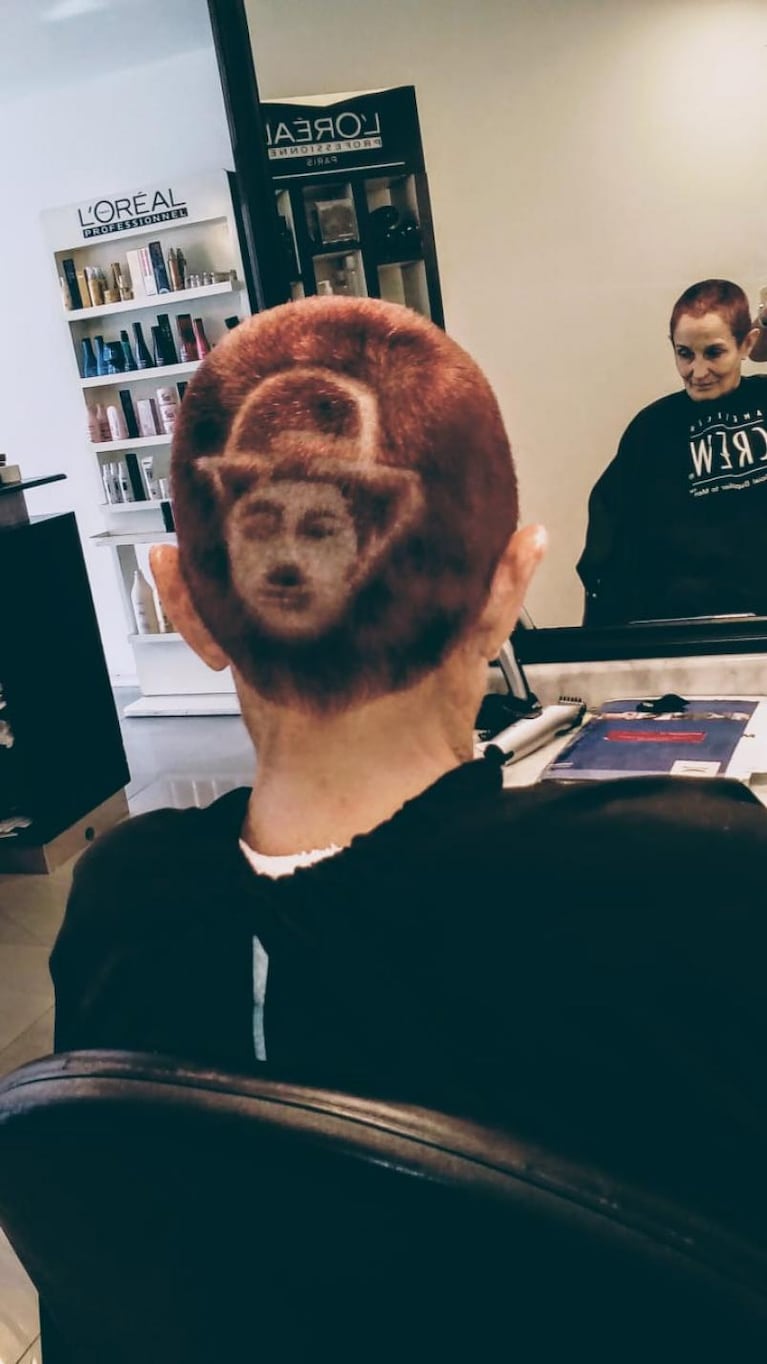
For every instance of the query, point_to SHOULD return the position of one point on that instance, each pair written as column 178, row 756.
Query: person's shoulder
column 159, row 840
column 754, row 387
column 695, row 821
column 658, row 412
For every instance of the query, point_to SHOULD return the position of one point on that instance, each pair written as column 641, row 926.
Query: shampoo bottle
column 143, row 357
column 144, row 609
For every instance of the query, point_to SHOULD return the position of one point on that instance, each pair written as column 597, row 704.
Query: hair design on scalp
column 343, row 488
column 715, row 296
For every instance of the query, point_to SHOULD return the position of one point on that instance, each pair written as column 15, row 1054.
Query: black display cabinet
column 62, row 762
column 353, row 198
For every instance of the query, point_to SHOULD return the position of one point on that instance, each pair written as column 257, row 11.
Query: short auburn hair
column 715, row 296
column 343, row 489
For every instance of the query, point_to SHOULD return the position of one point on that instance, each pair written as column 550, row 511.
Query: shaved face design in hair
column 304, row 524
column 293, row 548
column 342, row 489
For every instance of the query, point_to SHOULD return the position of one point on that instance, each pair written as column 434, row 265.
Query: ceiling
column 45, row 44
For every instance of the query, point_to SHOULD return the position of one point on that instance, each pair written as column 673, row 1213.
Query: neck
column 324, row 779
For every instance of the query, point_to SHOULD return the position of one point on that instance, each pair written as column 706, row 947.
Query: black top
column 677, row 521
column 584, row 963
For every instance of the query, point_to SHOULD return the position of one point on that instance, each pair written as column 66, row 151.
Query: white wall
column 587, row 160
column 113, row 133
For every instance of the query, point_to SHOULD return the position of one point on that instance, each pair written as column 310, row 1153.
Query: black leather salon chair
column 176, row 1216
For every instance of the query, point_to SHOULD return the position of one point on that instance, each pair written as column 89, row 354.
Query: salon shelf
column 157, row 637
column 173, row 680
column 135, row 376
column 106, row 539
column 398, row 264
column 335, row 249
column 151, row 303
column 184, row 703
column 147, row 504
column 105, row 447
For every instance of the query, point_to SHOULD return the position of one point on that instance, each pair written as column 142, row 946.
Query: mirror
column 587, row 162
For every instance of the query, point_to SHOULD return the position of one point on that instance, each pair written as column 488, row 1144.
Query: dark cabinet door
column 61, row 751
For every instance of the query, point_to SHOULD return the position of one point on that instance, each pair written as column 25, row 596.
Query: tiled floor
column 173, row 762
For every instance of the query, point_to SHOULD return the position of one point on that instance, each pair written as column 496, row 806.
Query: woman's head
column 712, row 334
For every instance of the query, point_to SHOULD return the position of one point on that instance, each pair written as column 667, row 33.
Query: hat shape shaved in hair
column 343, row 489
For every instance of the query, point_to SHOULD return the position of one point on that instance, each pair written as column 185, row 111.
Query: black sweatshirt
column 583, row 963
column 678, row 521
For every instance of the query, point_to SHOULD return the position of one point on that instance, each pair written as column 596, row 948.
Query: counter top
column 528, row 770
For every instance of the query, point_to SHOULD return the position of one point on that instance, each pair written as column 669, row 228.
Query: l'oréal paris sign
column 127, row 212
column 375, row 129
column 347, row 131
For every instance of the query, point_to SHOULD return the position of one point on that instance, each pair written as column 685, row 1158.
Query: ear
column 174, row 595
column 750, row 342
column 511, row 580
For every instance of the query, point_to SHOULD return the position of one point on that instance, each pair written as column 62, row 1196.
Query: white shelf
column 134, row 376
column 105, row 447
column 208, row 703
column 149, row 504
column 107, row 540
column 152, row 301
column 157, row 637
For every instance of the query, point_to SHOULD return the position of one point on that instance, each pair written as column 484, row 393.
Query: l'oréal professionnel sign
column 378, row 129
column 125, row 213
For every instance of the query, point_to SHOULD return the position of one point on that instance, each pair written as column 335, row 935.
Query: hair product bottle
column 128, row 356
column 89, row 364
column 95, row 286
column 129, row 413
column 117, row 427
column 94, row 425
column 102, row 359
column 143, row 357
column 115, row 357
column 175, row 271
column 152, row 486
column 203, row 345
column 167, row 408
column 158, row 341
column 106, row 479
column 169, row 346
column 187, row 342
column 103, row 421
column 144, row 609
column 126, row 492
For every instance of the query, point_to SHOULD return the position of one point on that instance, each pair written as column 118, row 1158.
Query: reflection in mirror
column 676, row 522
column 586, row 162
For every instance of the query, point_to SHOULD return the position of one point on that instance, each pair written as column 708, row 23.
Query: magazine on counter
column 708, row 738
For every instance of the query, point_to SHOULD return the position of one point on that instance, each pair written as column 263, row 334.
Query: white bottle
column 106, row 479
column 117, row 494
column 117, row 427
column 144, row 609
column 126, row 494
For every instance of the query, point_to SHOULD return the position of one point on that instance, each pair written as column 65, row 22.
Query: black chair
column 170, row 1215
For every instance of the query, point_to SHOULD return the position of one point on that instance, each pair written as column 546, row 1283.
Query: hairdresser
column 677, row 521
